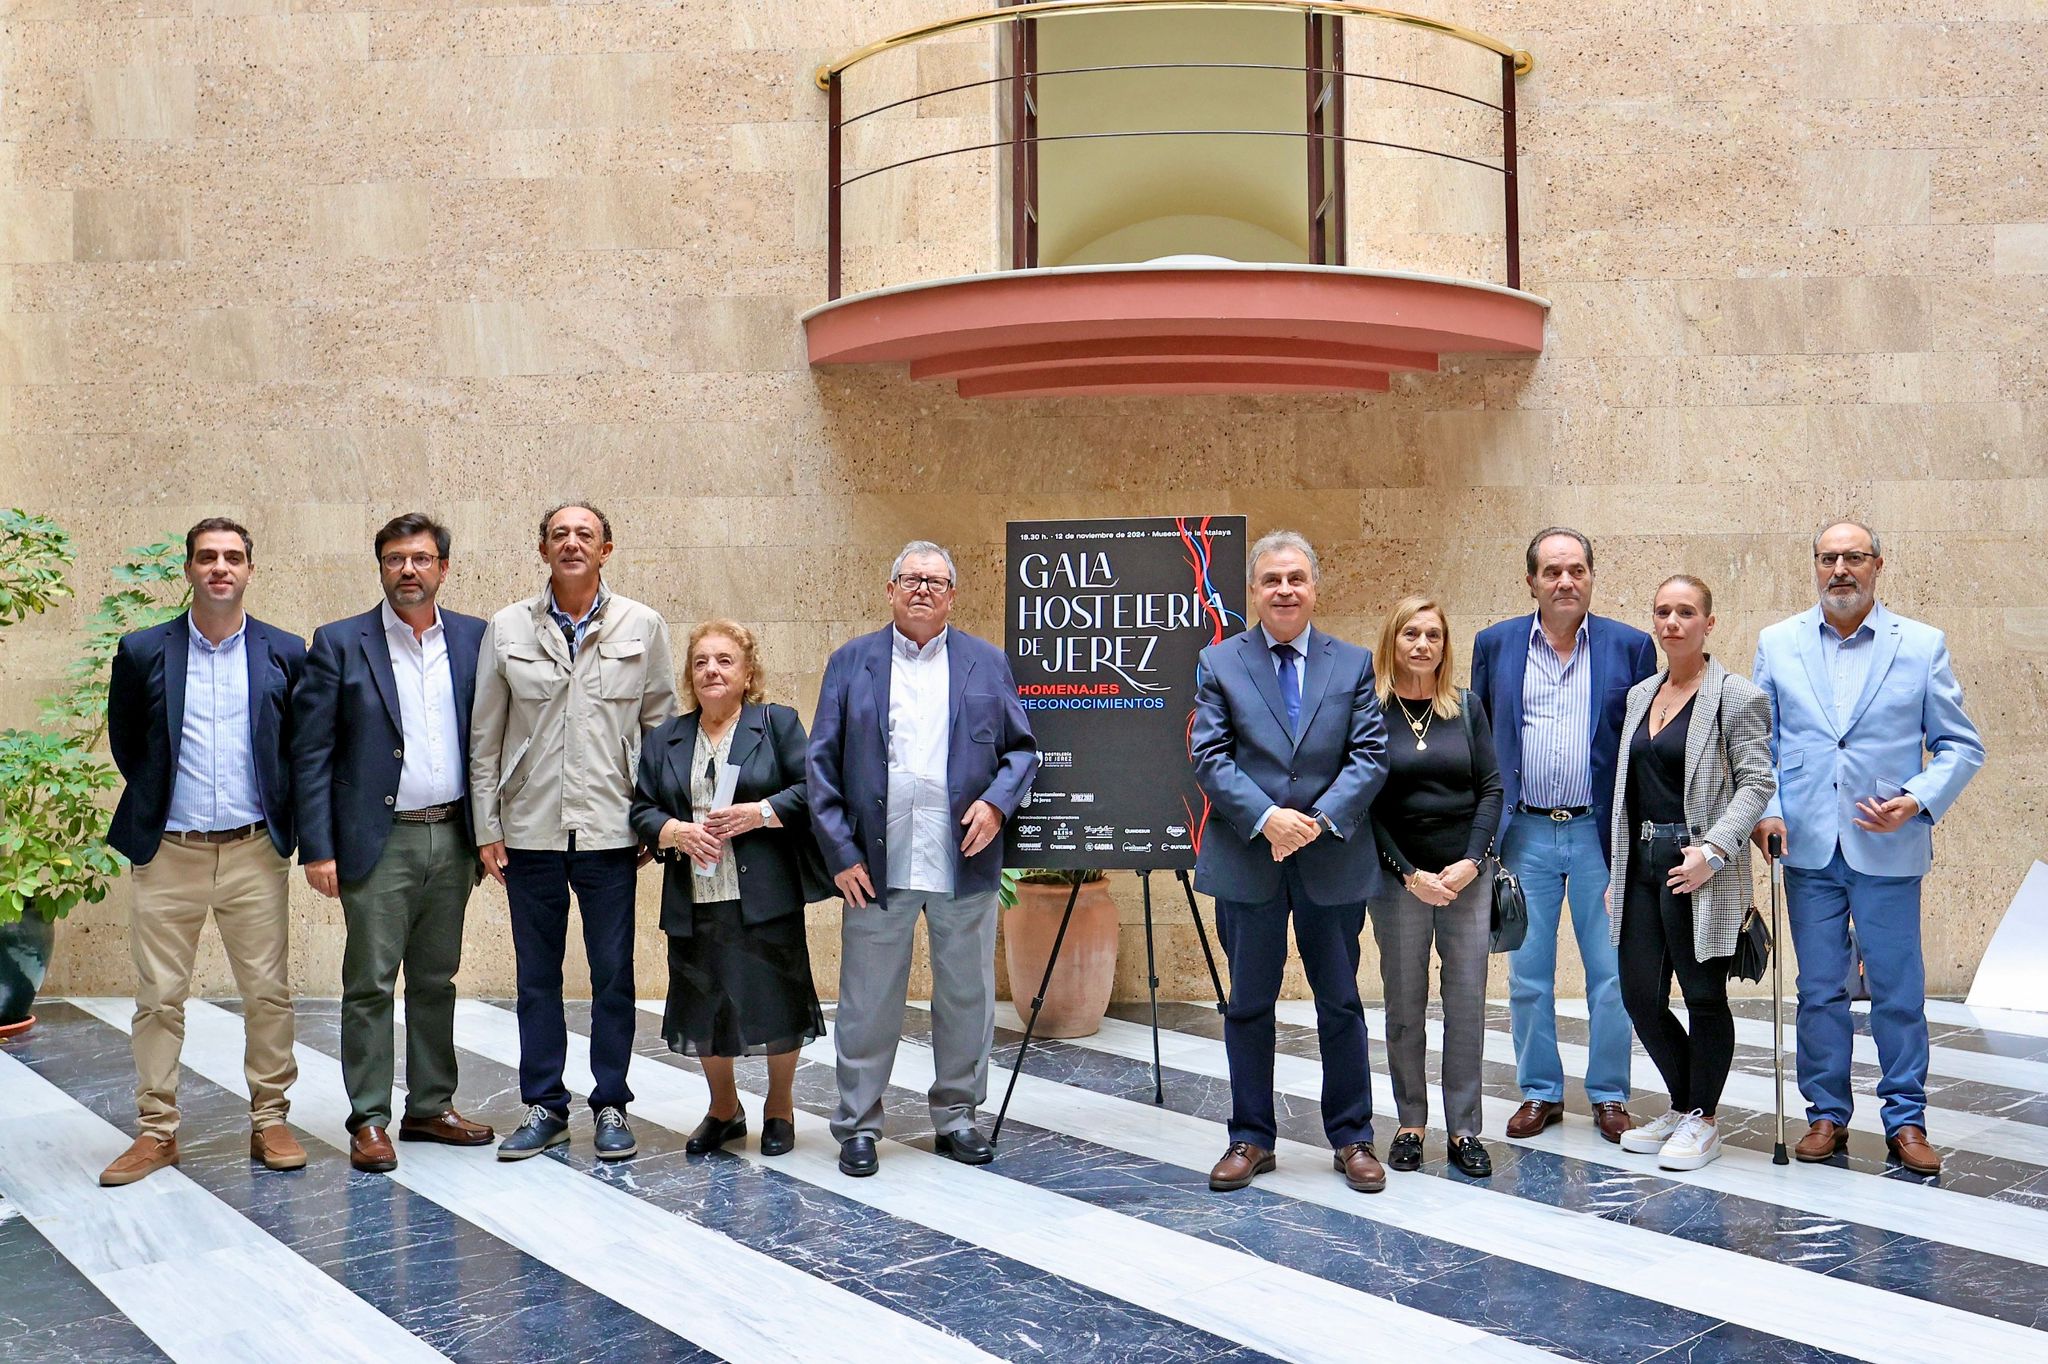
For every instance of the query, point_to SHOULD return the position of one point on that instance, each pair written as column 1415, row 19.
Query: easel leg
column 1037, row 1002
column 1152, row 985
column 1202, row 932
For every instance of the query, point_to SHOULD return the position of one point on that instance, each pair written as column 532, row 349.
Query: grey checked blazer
column 1728, row 781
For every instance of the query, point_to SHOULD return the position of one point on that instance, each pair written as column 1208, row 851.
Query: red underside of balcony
column 1174, row 329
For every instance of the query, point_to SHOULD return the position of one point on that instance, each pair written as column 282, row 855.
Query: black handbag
column 1509, row 922
column 1752, row 948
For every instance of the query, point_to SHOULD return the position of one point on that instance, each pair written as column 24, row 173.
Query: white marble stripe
column 1984, row 1133
column 1927, row 1211
column 738, row 1303
column 2023, row 1022
column 1780, row 1300
column 1184, row 1278
column 199, row 1279
column 2010, row 1072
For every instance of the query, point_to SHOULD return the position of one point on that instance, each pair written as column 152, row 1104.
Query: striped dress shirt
column 1557, row 723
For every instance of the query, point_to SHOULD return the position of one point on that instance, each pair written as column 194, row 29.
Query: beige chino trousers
column 243, row 883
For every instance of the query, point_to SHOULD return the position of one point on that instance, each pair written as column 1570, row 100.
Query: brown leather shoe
column 1908, row 1146
column 1613, row 1120
column 277, row 1148
column 1242, row 1163
column 449, row 1128
column 369, row 1149
column 1361, row 1168
column 1822, row 1141
column 1532, row 1117
column 142, row 1159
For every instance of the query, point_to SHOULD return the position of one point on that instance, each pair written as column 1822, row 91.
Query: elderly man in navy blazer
column 380, row 749
column 198, row 718
column 1290, row 746
column 1556, row 686
column 918, row 754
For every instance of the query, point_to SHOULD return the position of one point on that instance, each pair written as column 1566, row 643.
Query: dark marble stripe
column 1969, row 1280
column 50, row 1312
column 456, row 1287
column 1961, row 1036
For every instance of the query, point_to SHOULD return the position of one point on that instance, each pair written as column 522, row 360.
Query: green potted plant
column 1033, row 902
column 53, row 815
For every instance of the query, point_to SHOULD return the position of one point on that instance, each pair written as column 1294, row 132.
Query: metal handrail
column 1045, row 9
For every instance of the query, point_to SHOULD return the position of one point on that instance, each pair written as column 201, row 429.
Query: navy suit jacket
column 348, row 744
column 990, row 754
column 146, row 719
column 1621, row 656
column 1245, row 760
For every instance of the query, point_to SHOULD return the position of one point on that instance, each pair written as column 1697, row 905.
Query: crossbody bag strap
column 1467, row 701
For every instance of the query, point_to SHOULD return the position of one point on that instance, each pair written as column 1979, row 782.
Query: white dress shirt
column 921, row 833
column 434, row 770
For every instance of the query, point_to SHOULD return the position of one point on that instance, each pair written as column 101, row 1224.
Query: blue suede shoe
column 614, row 1139
column 543, row 1128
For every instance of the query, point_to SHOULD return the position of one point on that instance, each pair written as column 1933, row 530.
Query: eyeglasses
column 394, row 563
column 917, row 582
column 1851, row 558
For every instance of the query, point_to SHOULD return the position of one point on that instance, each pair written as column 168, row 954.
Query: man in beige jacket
column 567, row 684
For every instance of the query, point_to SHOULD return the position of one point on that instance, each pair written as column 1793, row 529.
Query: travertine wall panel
column 312, row 264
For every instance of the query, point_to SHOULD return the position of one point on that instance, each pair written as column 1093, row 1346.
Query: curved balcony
column 1173, row 196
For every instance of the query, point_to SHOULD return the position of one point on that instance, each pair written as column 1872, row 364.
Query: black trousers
column 537, row 885
column 1656, row 944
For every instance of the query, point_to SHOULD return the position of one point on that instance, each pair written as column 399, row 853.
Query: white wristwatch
column 767, row 815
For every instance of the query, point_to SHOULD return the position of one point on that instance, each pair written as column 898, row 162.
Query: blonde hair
column 739, row 634
column 1445, row 702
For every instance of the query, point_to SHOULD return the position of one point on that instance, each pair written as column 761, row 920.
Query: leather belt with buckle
column 431, row 814
column 215, row 837
column 1650, row 830
column 1562, row 814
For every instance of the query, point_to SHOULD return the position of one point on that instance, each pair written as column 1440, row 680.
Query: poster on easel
column 1105, row 622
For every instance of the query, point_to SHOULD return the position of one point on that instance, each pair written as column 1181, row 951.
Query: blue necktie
column 1290, row 686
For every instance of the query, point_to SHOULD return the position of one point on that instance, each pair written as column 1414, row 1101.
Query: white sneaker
column 1696, row 1142
column 1648, row 1139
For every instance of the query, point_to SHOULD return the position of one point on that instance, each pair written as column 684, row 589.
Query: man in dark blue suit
column 380, row 752
column 918, row 754
column 1290, row 746
column 1556, row 685
column 199, row 721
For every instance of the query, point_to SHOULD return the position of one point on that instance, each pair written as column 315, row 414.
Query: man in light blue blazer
column 1872, row 746
column 1290, row 747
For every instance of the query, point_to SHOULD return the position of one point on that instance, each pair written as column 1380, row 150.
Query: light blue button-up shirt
column 1848, row 661
column 1557, row 722
column 215, row 787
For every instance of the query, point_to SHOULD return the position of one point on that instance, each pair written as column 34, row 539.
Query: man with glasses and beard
column 1872, row 747
column 918, row 754
column 380, row 755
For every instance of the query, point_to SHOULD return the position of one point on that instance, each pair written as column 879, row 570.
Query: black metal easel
column 1151, row 979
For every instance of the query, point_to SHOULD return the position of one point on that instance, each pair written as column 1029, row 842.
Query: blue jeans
column 1820, row 906
column 537, row 887
column 1555, row 860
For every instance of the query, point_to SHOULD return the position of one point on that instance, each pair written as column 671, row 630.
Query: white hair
column 916, row 547
column 1274, row 541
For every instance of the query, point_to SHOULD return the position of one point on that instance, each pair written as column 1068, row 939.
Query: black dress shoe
column 713, row 1133
column 1470, row 1157
column 778, row 1136
column 857, row 1157
column 1406, row 1152
column 967, row 1146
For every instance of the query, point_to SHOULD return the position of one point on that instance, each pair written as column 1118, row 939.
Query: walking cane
column 1774, row 846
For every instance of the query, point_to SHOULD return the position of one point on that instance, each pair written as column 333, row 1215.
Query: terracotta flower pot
column 1086, row 974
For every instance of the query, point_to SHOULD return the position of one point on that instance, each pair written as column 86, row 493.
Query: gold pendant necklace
column 1420, row 728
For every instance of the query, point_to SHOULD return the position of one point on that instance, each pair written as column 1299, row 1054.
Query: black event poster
column 1106, row 620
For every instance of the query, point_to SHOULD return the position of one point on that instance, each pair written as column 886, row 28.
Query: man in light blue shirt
column 215, row 785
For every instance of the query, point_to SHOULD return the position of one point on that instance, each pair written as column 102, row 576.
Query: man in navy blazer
column 918, row 754
column 198, row 718
column 1290, row 746
column 380, row 751
column 1556, row 686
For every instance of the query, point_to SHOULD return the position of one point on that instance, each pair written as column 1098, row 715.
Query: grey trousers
column 874, row 977
column 407, row 912
column 1404, row 928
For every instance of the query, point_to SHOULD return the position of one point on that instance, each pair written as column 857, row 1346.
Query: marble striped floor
column 1092, row 1237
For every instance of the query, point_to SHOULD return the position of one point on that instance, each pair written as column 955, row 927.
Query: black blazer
column 348, row 746
column 146, row 719
column 778, row 868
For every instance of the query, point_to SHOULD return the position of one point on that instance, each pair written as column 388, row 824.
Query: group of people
column 412, row 750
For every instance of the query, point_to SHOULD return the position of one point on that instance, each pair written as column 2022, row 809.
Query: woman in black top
column 1434, row 822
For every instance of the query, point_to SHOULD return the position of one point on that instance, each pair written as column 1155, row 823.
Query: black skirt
column 740, row 989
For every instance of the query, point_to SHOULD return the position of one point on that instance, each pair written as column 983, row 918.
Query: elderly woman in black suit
column 732, row 899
